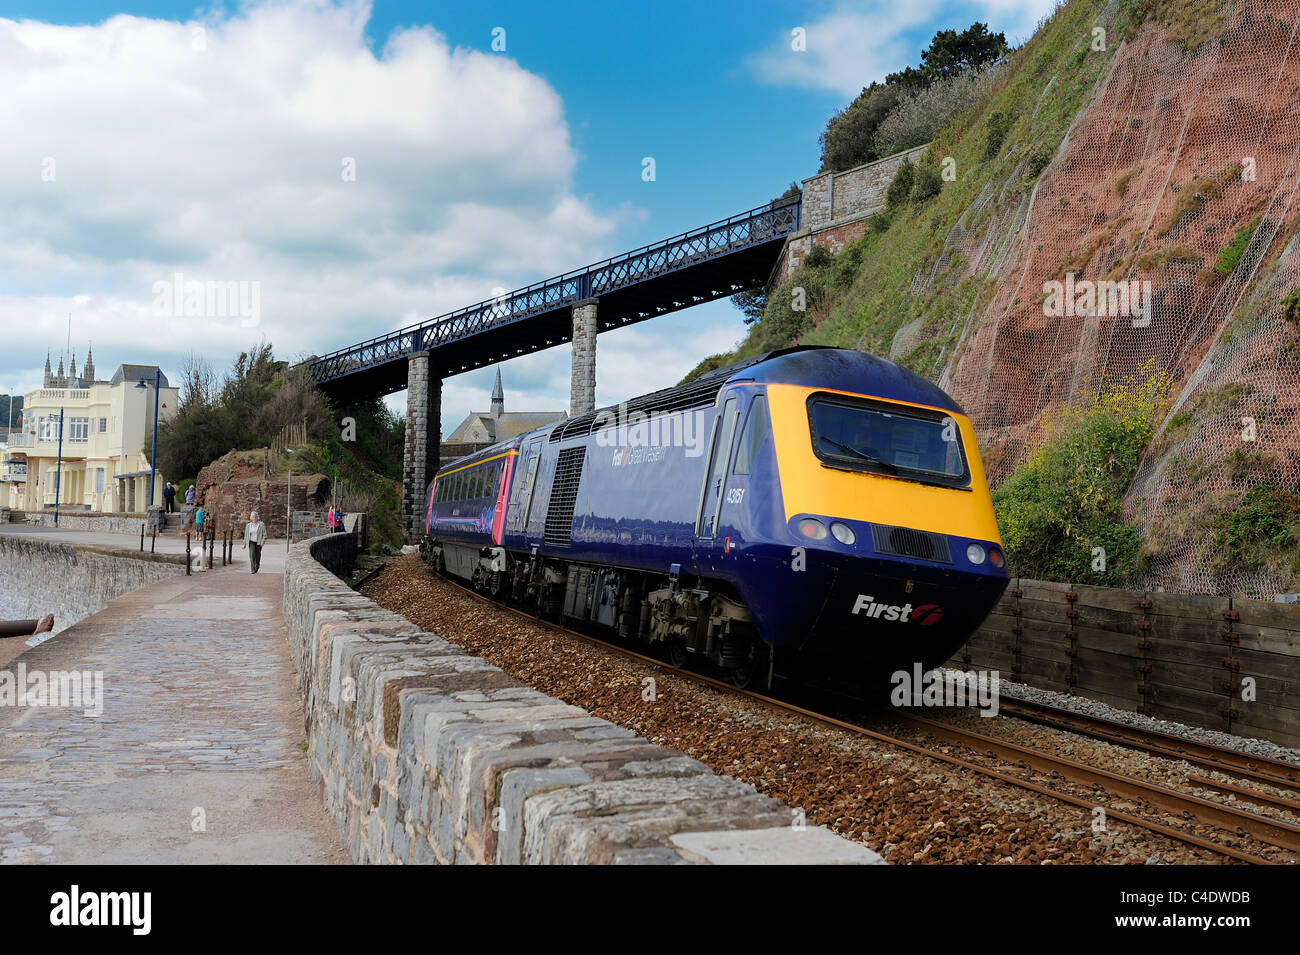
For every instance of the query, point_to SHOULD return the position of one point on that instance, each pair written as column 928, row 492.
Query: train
column 808, row 510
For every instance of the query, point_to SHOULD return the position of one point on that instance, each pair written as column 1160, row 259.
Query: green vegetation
column 255, row 402
column 851, row 135
column 1234, row 250
column 1263, row 530
column 1062, row 505
column 15, row 415
column 1291, row 306
column 902, row 270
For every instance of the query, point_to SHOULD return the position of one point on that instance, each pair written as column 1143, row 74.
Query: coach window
column 757, row 428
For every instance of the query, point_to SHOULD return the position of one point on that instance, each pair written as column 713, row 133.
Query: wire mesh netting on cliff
column 1181, row 172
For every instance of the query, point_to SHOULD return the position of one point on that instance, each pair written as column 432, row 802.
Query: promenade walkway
column 197, row 755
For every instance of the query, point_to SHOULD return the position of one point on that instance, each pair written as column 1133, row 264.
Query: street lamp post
column 153, row 455
column 58, row 471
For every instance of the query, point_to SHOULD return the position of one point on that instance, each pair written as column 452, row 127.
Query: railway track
column 1231, row 762
column 1228, row 819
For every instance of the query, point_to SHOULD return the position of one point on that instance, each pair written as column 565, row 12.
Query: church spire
column 48, row 373
column 498, row 398
column 89, row 371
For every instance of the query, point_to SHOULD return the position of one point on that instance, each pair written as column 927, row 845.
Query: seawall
column 425, row 754
column 39, row 577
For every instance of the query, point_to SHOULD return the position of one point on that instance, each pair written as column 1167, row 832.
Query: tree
column 951, row 52
column 850, row 136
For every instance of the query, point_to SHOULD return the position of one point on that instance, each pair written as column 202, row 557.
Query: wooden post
column 187, row 553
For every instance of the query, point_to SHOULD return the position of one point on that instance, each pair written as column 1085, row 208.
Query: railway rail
column 1229, row 819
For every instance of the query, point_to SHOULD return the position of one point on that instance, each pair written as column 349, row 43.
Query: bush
column 1064, row 501
column 927, row 183
column 850, row 136
column 900, row 187
column 920, row 114
column 1037, row 163
column 1265, row 526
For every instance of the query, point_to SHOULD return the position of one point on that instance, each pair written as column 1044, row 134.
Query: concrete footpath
column 198, row 754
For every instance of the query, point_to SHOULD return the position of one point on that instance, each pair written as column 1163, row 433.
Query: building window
column 50, row 428
column 79, row 429
column 99, row 478
column 103, row 426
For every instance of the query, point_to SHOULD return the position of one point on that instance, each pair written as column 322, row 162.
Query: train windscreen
column 888, row 439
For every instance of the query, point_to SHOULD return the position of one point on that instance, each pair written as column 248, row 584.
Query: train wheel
column 744, row 675
column 753, row 671
column 677, row 653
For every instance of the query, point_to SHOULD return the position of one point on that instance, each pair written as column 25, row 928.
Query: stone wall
column 423, row 432
column 39, row 577
column 836, row 207
column 425, row 754
column 582, row 370
column 89, row 521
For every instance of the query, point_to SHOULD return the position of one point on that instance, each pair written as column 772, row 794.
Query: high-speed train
column 811, row 507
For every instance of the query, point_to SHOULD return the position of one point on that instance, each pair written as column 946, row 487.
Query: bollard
column 153, row 541
column 187, row 553
column 142, row 538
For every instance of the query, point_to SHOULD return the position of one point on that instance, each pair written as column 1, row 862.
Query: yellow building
column 107, row 431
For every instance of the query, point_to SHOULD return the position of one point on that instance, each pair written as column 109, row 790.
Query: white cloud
column 856, row 43
column 222, row 160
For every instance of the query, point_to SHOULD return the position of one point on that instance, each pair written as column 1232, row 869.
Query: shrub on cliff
column 920, row 115
column 851, row 139
column 1059, row 512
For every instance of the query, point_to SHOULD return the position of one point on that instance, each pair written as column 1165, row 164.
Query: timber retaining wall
column 1224, row 663
column 425, row 754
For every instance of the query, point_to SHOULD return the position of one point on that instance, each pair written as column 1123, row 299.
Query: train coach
column 809, row 509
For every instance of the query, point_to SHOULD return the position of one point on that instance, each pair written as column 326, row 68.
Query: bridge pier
column 582, row 382
column 423, row 438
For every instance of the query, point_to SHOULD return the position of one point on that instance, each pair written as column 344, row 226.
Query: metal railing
column 767, row 223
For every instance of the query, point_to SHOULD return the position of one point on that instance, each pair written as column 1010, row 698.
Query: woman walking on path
column 254, row 538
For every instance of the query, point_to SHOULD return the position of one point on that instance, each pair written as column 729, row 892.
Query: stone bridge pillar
column 582, row 383
column 423, row 437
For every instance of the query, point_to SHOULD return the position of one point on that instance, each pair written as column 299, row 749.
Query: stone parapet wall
column 836, row 207
column 39, row 577
column 425, row 754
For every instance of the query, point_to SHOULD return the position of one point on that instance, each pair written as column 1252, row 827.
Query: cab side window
column 757, row 428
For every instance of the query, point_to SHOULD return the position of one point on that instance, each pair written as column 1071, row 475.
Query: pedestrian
column 254, row 538
column 330, row 518
column 169, row 497
column 199, row 516
column 189, row 495
column 338, row 519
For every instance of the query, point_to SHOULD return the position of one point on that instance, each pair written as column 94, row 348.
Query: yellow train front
column 836, row 519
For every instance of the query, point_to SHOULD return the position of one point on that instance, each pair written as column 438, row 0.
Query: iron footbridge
column 709, row 263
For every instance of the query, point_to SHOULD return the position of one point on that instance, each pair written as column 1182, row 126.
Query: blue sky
column 209, row 166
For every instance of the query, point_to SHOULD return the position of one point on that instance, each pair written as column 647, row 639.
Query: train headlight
column 996, row 558
column 812, row 529
column 843, row 533
column 975, row 553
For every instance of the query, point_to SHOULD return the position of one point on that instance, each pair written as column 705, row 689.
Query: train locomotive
column 810, row 508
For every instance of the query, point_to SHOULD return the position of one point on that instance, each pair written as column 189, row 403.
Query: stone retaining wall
column 425, row 754
column 88, row 521
column 39, row 577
